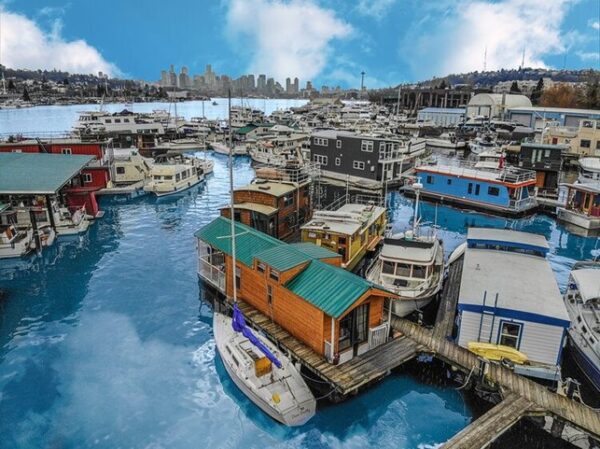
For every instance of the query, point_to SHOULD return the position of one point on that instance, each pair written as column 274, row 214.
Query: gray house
column 363, row 160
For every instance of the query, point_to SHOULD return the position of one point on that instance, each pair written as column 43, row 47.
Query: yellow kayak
column 497, row 352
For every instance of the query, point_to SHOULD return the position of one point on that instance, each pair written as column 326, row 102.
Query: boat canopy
column 588, row 283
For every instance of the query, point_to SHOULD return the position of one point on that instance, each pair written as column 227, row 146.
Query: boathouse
column 277, row 208
column 509, row 298
column 299, row 286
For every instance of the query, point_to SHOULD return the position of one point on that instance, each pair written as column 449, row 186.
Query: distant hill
column 491, row 78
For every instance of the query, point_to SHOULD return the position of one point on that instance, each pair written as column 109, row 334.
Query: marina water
column 104, row 341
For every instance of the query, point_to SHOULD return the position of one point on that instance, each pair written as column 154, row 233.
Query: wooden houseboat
column 502, row 309
column 503, row 190
column 351, row 231
column 277, row 203
column 301, row 287
column 582, row 207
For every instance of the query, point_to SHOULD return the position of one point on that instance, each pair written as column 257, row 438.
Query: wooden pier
column 346, row 378
column 444, row 321
column 488, row 427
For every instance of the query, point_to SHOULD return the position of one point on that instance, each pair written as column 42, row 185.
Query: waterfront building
column 546, row 161
column 582, row 206
column 583, row 140
column 539, row 117
column 277, row 208
column 509, row 300
column 443, row 117
column 504, row 190
column 364, row 160
column 299, row 286
column 491, row 106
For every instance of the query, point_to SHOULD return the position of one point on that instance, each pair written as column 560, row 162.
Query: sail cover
column 239, row 325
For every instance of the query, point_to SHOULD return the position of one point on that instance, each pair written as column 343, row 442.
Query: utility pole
column 362, row 82
column 1, row 66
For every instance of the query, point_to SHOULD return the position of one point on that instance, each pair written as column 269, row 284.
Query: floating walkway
column 488, row 427
column 346, row 378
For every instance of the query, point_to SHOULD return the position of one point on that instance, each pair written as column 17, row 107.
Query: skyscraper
column 172, row 77
column 288, row 86
column 296, row 85
column 262, row 84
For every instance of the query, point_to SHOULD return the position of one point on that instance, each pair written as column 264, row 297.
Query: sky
column 327, row 41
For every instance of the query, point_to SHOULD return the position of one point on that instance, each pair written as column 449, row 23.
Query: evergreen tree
column 537, row 92
column 26, row 96
column 514, row 88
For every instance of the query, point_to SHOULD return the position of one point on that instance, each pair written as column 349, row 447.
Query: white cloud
column 286, row 39
column 374, row 8
column 457, row 42
column 588, row 56
column 595, row 25
column 26, row 46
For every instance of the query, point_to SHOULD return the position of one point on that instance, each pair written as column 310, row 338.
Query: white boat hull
column 298, row 412
column 404, row 307
column 583, row 221
column 18, row 248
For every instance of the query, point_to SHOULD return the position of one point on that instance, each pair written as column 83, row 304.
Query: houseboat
column 589, row 170
column 223, row 147
column 172, row 176
column 65, row 220
column 411, row 264
column 278, row 151
column 482, row 143
column 14, row 241
column 582, row 206
column 503, row 190
column 298, row 286
column 582, row 300
column 351, row 230
column 509, row 299
column 129, row 168
column 274, row 206
column 489, row 159
column 546, row 161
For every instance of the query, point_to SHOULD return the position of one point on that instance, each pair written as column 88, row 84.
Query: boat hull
column 404, row 307
column 173, row 192
column 585, row 364
column 577, row 219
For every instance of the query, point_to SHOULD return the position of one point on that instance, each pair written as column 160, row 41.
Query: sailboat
column 262, row 372
column 411, row 265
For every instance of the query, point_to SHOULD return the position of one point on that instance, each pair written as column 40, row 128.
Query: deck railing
column 522, row 204
column 328, row 352
column 378, row 335
column 211, row 273
column 364, row 199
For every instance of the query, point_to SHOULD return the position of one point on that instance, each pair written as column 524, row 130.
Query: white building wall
column 540, row 342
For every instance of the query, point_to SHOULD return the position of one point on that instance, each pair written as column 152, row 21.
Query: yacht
column 239, row 148
column 278, row 150
column 582, row 300
column 65, row 220
column 174, row 175
column 411, row 265
column 129, row 167
column 482, row 143
column 264, row 374
column 589, row 171
column 490, row 159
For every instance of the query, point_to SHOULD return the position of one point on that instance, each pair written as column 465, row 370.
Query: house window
column 470, row 188
column 493, row 191
column 338, row 143
column 66, row 151
column 381, row 147
column 274, row 275
column 388, row 267
column 321, row 142
column 358, row 165
column 449, row 181
column 120, row 170
column 585, row 143
column 238, row 277
column 429, row 179
column 320, row 159
column 477, row 189
column 366, row 145
column 108, row 120
column 510, row 334
column 338, row 161
column 261, row 267
column 598, row 144
column 288, row 200
column 354, row 327
column 87, row 177
column 270, row 295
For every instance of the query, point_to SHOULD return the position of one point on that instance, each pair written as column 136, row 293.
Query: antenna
column 362, row 81
column 1, row 66
column 485, row 59
column 523, row 59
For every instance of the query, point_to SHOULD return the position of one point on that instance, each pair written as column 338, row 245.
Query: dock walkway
column 347, row 377
column 444, row 321
column 484, row 430
column 577, row 414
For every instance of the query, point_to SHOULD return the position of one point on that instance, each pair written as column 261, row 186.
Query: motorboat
column 582, row 300
column 14, row 242
column 174, row 175
column 589, row 171
column 239, row 149
column 482, row 143
column 411, row 265
column 490, row 159
column 65, row 220
column 263, row 373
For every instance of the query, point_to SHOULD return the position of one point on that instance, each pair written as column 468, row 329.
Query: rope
column 467, row 380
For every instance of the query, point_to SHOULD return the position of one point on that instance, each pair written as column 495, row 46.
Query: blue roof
column 38, row 174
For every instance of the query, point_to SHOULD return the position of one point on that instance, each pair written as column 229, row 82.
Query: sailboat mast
column 232, row 218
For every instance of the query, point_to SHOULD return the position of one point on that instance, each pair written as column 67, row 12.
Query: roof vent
column 264, row 187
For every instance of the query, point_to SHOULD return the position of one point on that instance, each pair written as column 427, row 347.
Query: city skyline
column 324, row 41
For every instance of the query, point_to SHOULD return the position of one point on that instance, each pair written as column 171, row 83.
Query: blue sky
column 327, row 41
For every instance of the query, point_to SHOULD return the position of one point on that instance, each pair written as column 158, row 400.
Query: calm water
column 62, row 118
column 104, row 342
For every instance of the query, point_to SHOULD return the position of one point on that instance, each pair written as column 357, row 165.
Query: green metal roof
column 248, row 241
column 329, row 288
column 4, row 206
column 314, row 251
column 245, row 129
column 42, row 174
column 283, row 257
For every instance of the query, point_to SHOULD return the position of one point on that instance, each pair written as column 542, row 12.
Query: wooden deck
column 574, row 412
column 444, row 321
column 483, row 431
column 345, row 378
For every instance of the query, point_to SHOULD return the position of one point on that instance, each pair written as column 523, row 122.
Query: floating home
column 301, row 287
column 582, row 206
column 277, row 208
column 509, row 298
column 350, row 231
column 503, row 190
column 546, row 161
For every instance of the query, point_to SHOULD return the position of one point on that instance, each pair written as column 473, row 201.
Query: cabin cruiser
column 14, row 241
column 482, row 143
column 91, row 123
column 582, row 300
column 239, row 148
column 174, row 175
column 278, row 150
column 411, row 265
column 65, row 220
column 263, row 373
column 490, row 159
column 180, row 145
column 589, row 170
column 129, row 167
column 240, row 116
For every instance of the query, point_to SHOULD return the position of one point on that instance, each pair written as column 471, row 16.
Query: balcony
column 213, row 274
